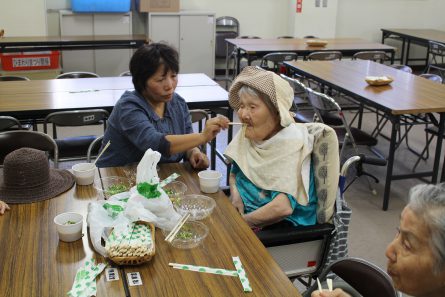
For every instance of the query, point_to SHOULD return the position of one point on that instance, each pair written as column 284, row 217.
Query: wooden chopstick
column 176, row 228
column 235, row 123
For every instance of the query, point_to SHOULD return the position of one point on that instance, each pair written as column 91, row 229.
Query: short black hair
column 147, row 59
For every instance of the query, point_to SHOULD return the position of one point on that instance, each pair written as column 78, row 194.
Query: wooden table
column 44, row 43
column 407, row 94
column 229, row 236
column 347, row 46
column 37, row 98
column 417, row 36
column 33, row 261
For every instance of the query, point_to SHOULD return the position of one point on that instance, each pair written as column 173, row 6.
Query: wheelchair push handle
column 372, row 161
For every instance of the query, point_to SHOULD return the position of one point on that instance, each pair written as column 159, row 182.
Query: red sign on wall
column 299, row 5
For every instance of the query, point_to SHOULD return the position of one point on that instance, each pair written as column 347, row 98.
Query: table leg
column 238, row 61
column 438, row 151
column 407, row 52
column 402, row 53
column 395, row 121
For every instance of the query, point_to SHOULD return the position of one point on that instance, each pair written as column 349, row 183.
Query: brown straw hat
column 27, row 177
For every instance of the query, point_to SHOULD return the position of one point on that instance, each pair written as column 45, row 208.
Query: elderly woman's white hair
column 428, row 202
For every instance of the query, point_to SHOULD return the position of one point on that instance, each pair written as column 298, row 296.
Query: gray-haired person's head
column 428, row 202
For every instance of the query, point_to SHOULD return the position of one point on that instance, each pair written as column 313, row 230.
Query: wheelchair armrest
column 290, row 235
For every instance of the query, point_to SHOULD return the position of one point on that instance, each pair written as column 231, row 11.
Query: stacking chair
column 75, row 148
column 347, row 135
column 404, row 68
column 432, row 77
column 249, row 58
column 7, row 123
column 77, row 74
column 274, row 61
column 360, row 279
column 303, row 114
column 376, row 56
column 325, row 56
column 198, row 116
column 13, row 140
column 93, row 148
column 436, row 58
column 125, row 73
column 13, row 78
column 226, row 27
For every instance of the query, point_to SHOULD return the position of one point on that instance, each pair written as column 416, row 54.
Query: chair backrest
column 436, row 58
column 8, row 122
column 75, row 118
column 432, row 77
column 276, row 59
column 325, row 56
column 13, row 78
column 125, row 73
column 226, row 24
column 404, row 68
column 249, row 37
column 285, row 37
column 77, row 74
column 310, row 36
column 13, row 140
column 197, row 116
column 376, row 56
column 363, row 276
column 94, row 147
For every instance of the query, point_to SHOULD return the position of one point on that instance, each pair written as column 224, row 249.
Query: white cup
column 209, row 181
column 84, row 173
column 69, row 226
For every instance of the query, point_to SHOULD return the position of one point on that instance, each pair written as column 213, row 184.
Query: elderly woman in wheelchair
column 272, row 178
column 416, row 256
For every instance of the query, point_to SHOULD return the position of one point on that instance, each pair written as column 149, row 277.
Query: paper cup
column 69, row 226
column 84, row 173
column 209, row 181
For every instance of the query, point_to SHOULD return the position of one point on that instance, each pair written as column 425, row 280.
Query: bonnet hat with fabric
column 277, row 89
column 28, row 178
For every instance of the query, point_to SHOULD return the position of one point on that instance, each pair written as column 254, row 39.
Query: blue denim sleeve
column 140, row 131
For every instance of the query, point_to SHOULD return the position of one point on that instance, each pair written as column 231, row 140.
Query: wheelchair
column 303, row 252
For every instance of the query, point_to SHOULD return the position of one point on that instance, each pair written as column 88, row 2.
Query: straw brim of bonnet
column 277, row 89
column 27, row 178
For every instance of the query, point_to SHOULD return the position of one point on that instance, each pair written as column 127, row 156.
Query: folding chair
column 325, row 56
column 7, row 122
column 75, row 148
column 77, row 74
column 13, row 78
column 13, row 140
column 436, row 58
column 274, row 61
column 360, row 279
column 376, row 56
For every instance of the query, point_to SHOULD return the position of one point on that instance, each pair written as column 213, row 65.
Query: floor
column 371, row 228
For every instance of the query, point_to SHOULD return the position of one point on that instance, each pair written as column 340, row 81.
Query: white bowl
column 209, row 181
column 69, row 226
column 84, row 173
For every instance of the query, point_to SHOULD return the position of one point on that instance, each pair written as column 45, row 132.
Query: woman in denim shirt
column 154, row 116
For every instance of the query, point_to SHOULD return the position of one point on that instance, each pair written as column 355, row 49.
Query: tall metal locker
column 191, row 33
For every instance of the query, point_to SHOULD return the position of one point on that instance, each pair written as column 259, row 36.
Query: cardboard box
column 159, row 5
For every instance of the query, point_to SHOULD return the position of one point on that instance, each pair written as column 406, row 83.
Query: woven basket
column 316, row 42
column 379, row 82
column 138, row 260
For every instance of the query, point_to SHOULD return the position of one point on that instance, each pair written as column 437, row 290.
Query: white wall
column 312, row 20
column 23, row 17
column 264, row 18
column 364, row 18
